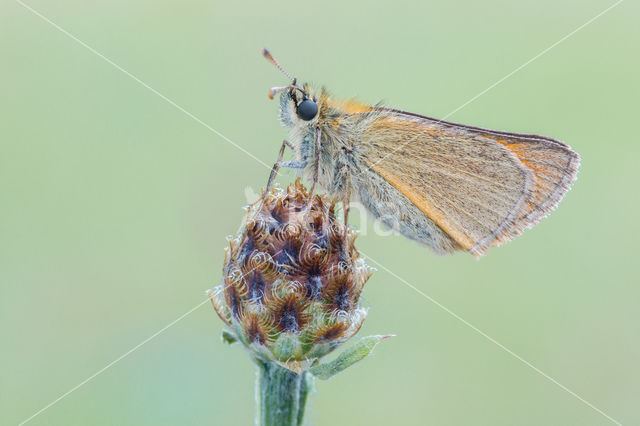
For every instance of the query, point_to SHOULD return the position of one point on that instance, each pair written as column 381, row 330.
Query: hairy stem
column 281, row 395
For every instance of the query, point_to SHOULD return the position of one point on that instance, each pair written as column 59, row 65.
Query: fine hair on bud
column 292, row 279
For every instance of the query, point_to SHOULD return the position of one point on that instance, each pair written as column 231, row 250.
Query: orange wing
column 482, row 187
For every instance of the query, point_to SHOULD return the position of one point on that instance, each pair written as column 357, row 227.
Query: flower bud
column 292, row 280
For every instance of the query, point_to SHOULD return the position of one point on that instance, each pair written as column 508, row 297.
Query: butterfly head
column 298, row 105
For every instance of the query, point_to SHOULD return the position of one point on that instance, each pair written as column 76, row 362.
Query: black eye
column 307, row 110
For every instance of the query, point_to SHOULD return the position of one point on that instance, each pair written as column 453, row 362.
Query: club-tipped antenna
column 271, row 59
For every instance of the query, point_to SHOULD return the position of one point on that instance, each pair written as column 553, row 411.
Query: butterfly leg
column 316, row 163
column 346, row 206
column 277, row 165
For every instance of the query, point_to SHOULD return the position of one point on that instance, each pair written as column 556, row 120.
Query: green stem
column 281, row 394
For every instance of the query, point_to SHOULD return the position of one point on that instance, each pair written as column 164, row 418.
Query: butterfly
column 445, row 185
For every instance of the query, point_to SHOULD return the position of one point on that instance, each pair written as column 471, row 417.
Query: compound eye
column 307, row 110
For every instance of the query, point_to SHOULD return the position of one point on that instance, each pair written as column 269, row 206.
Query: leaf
column 348, row 357
column 228, row 337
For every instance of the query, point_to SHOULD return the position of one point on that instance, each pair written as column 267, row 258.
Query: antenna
column 271, row 59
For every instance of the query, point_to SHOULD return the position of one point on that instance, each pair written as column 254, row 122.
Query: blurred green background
column 114, row 207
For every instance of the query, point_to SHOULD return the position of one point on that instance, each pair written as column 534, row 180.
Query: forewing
column 482, row 187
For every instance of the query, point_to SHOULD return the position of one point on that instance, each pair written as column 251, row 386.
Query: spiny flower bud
column 292, row 280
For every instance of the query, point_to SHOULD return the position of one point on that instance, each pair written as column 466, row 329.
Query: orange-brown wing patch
column 554, row 166
column 428, row 208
